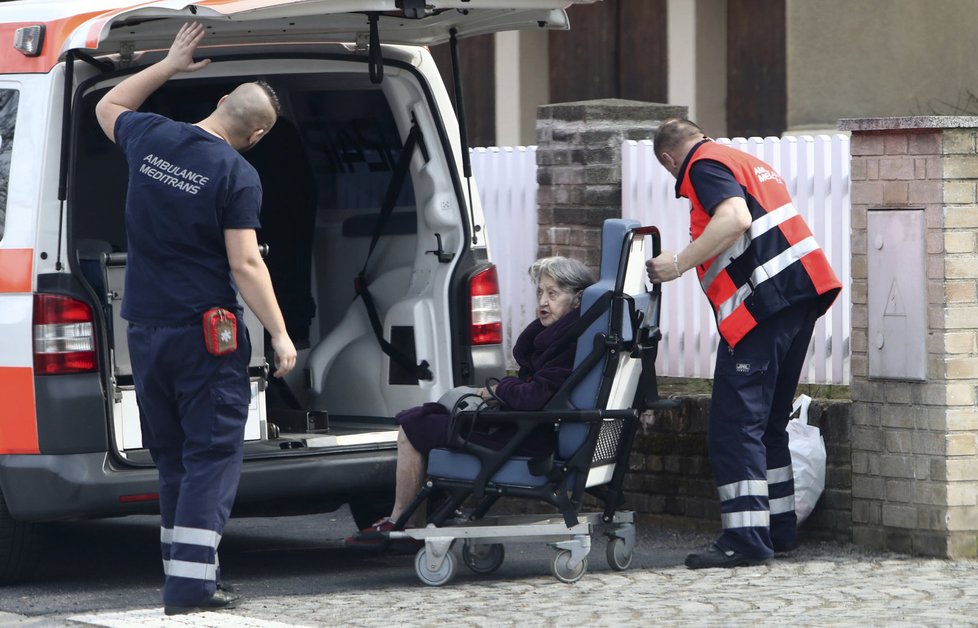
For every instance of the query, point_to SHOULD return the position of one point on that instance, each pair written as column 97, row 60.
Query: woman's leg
column 409, row 476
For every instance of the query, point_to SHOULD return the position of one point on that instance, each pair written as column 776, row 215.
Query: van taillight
column 64, row 335
column 487, row 326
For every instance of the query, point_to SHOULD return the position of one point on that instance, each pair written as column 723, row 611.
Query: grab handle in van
column 375, row 58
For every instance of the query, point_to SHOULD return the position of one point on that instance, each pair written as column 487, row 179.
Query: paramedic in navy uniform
column 768, row 281
column 191, row 214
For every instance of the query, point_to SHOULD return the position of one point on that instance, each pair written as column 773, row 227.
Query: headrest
column 612, row 238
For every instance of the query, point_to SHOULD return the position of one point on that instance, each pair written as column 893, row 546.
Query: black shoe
column 221, row 599
column 716, row 556
column 784, row 548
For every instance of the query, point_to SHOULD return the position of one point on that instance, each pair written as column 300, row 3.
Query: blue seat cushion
column 452, row 465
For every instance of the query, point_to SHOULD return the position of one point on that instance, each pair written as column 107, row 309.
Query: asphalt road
column 97, row 566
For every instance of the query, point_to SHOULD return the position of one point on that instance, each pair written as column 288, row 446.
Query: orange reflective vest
column 776, row 263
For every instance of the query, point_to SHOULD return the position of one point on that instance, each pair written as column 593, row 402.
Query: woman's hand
column 487, row 395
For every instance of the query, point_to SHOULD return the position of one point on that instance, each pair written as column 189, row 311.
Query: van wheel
column 367, row 512
column 20, row 547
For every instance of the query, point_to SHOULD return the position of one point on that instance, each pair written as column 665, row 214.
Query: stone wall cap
column 610, row 109
column 908, row 123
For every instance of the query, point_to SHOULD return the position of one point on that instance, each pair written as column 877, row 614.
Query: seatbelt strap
column 648, row 386
column 393, row 190
column 420, row 370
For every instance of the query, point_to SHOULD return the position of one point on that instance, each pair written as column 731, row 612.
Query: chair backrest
column 586, row 394
column 593, row 391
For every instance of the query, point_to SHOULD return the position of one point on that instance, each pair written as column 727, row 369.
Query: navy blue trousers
column 193, row 407
column 753, row 388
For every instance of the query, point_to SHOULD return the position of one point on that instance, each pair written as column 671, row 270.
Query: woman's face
column 553, row 301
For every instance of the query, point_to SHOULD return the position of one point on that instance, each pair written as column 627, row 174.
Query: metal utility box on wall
column 897, row 294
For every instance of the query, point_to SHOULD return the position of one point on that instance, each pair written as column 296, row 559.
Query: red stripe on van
column 56, row 33
column 15, row 270
column 18, row 430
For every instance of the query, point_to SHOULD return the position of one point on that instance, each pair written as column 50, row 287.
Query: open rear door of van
column 150, row 25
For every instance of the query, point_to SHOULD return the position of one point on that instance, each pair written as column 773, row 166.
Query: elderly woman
column 559, row 282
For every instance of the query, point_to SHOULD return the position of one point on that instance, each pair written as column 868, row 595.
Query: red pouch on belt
column 220, row 331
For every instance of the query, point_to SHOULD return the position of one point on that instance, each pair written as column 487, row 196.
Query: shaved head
column 250, row 107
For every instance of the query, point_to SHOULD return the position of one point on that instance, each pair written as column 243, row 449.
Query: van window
column 8, row 120
column 342, row 138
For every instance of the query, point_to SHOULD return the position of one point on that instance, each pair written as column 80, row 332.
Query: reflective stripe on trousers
column 781, row 490
column 777, row 481
column 743, row 504
column 205, row 543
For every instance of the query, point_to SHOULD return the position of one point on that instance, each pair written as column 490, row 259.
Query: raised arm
column 131, row 93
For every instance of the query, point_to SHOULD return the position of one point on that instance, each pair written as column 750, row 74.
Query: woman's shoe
column 375, row 534
column 378, row 535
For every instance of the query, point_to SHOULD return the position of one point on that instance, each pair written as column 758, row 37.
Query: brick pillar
column 914, row 448
column 579, row 169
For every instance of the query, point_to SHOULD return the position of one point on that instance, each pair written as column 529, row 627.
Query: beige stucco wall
column 876, row 58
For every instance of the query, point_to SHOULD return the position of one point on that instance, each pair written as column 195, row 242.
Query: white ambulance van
column 375, row 242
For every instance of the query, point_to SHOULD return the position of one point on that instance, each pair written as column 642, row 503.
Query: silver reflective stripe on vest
column 190, row 536
column 727, row 307
column 758, row 227
column 187, row 569
column 782, row 505
column 746, row 519
column 755, row 488
column 779, row 475
column 783, row 260
column 772, row 219
column 723, row 260
column 766, row 271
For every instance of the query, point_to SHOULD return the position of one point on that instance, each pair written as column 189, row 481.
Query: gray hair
column 569, row 274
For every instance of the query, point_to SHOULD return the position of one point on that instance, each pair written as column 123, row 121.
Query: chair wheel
column 619, row 558
column 483, row 558
column 562, row 571
column 441, row 576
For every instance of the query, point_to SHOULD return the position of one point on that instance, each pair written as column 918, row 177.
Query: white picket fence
column 816, row 170
column 507, row 181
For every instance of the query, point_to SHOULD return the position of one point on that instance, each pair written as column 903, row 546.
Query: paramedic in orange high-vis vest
column 767, row 281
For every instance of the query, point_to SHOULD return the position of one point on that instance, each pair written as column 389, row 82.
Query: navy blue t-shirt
column 186, row 187
column 714, row 183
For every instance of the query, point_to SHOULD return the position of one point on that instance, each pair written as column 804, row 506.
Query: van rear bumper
column 72, row 486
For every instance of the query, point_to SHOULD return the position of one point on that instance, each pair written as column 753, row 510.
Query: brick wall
column 914, row 448
column 579, row 169
column 669, row 479
column 670, row 476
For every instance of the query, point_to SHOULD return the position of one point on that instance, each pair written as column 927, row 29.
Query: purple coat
column 542, row 372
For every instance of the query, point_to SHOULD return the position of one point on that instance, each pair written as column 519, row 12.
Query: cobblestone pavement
column 820, row 584
column 828, row 590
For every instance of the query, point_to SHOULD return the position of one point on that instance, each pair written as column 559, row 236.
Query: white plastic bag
column 807, row 459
